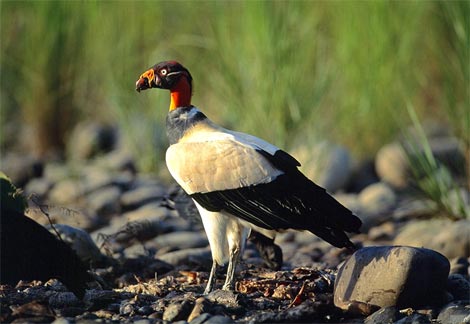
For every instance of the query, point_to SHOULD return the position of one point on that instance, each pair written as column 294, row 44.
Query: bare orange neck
column 180, row 94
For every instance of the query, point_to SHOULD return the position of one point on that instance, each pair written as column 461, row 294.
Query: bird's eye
column 163, row 71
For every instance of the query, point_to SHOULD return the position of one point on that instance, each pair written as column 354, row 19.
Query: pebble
column 66, row 192
column 350, row 201
column 385, row 231
column 455, row 313
column 392, row 275
column 153, row 211
column 105, row 202
column 141, row 195
column 180, row 240
column 21, row 168
column 414, row 319
column 219, row 319
column 62, row 215
column 329, row 165
column 177, row 311
column 89, row 139
column 460, row 265
column 378, row 198
column 188, row 256
column 450, row 238
column 95, row 178
column 118, row 160
column 200, row 319
column 39, row 188
column 384, row 315
column 200, row 307
column 392, row 165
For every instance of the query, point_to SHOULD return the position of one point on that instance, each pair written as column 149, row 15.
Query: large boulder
column 401, row 276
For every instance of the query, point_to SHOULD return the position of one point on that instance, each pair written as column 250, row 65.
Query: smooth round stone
column 392, row 276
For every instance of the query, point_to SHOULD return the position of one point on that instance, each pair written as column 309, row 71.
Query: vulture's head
column 164, row 75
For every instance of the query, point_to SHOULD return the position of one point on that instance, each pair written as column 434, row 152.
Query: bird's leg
column 232, row 265
column 211, row 281
column 236, row 236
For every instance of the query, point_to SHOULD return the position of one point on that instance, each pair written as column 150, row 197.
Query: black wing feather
column 289, row 201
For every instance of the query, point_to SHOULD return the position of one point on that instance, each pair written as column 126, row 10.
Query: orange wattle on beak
column 146, row 81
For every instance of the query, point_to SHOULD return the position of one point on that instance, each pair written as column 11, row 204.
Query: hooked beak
column 147, row 80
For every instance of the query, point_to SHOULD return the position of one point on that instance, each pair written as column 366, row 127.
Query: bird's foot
column 228, row 286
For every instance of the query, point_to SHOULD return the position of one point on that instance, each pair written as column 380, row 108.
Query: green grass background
column 292, row 72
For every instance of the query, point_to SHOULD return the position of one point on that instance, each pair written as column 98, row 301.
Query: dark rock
column 458, row 286
column 89, row 139
column 308, row 311
column 145, row 310
column 384, row 315
column 96, row 299
column 455, row 313
column 452, row 239
column 392, row 275
column 69, row 311
column 177, row 311
column 143, row 321
column 63, row 299
column 200, row 319
column 126, row 308
column 219, row 319
column 449, row 151
column 414, row 319
column 460, row 266
column 363, row 175
column 80, row 241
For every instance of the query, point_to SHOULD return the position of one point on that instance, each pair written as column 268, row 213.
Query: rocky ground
column 151, row 259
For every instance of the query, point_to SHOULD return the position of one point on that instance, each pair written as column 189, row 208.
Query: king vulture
column 238, row 181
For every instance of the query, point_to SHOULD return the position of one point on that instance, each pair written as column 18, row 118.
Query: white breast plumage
column 212, row 159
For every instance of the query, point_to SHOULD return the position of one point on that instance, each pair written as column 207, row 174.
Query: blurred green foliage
column 291, row 72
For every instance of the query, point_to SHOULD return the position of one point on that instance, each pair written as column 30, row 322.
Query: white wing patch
column 210, row 158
